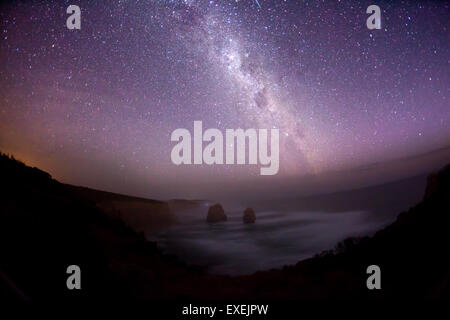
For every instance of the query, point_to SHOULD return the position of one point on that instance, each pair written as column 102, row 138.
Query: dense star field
column 97, row 106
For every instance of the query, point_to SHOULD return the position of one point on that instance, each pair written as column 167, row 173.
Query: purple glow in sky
column 97, row 106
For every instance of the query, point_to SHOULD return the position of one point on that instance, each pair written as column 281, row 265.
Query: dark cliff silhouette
column 45, row 226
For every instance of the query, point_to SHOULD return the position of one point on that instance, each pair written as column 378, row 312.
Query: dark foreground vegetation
column 46, row 226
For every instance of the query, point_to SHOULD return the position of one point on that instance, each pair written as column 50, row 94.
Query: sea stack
column 216, row 214
column 249, row 216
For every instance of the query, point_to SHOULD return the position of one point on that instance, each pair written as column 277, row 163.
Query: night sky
column 97, row 106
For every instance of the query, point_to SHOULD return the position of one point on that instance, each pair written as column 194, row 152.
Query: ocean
column 275, row 240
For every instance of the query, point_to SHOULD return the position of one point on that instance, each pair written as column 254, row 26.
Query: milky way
column 97, row 106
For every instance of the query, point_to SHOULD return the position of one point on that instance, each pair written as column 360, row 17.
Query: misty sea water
column 275, row 240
